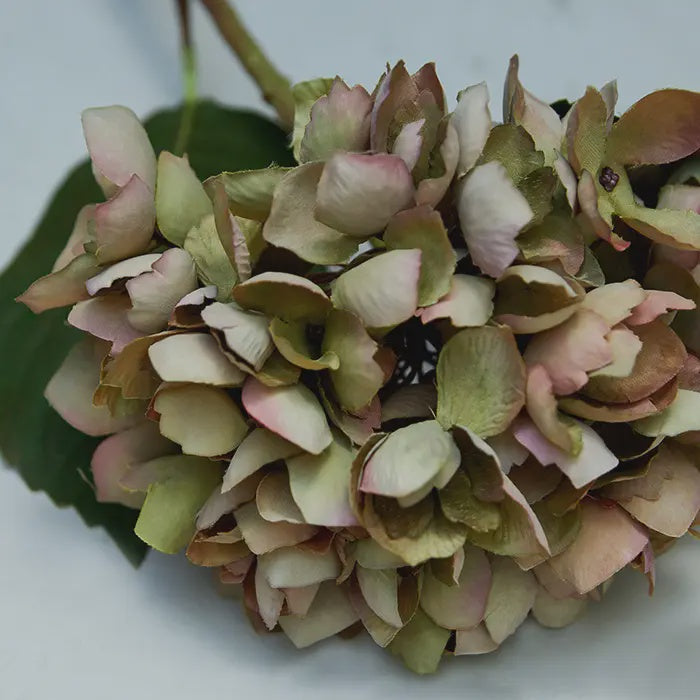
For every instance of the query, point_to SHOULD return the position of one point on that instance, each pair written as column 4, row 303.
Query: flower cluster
column 440, row 375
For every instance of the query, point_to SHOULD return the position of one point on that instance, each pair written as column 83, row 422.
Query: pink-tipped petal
column 105, row 318
column 656, row 304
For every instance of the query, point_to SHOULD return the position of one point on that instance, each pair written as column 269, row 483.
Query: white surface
column 75, row 620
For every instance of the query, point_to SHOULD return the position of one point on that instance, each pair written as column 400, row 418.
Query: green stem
column 275, row 88
column 189, row 77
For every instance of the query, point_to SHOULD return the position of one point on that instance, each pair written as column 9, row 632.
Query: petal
column 320, row 485
column 410, row 401
column 292, row 412
column 462, row 605
column 292, row 224
column 557, row 612
column 263, row 536
column 294, row 567
column 123, row 226
column 677, row 503
column 431, row 190
column 474, row 641
column 203, row 419
column 274, row 500
column 339, row 122
column 329, row 614
column 625, row 347
column 105, row 318
column 245, row 334
column 79, row 235
column 420, row 644
column 542, row 407
column 607, row 541
column 249, row 192
column 305, row 95
column 358, row 194
column 657, row 303
column 570, row 350
column 587, row 194
column 119, row 147
column 299, row 600
column 63, row 287
column 383, row 291
column 181, row 201
column 511, row 598
column 269, row 600
column 116, row 454
column 492, row 211
column 615, row 302
column 289, row 297
column 358, row 377
column 258, row 448
column 193, row 357
column 409, row 143
column 380, row 589
column 382, row 634
column 683, row 197
column 472, row 121
column 594, row 459
column 291, row 341
column 469, row 303
column 480, row 380
column 673, row 113
column 71, row 388
column 154, row 294
column 422, row 228
column 126, row 269
column 409, row 459
column 167, row 519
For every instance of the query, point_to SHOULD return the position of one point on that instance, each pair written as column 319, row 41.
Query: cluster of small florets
column 441, row 374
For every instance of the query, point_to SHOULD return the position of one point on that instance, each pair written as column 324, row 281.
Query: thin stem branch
column 275, row 87
column 189, row 76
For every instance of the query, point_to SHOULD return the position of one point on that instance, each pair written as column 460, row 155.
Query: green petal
column 680, row 417
column 181, row 201
column 167, row 519
column 420, row 644
column 305, row 95
column 481, row 380
column 357, row 377
column 291, row 341
column 213, row 264
column 422, row 228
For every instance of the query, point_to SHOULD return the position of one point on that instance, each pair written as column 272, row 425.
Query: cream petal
column 71, row 389
column 409, row 459
column 258, row 448
column 193, row 357
column 615, row 302
column 294, row 567
column 371, row 555
column 383, row 291
column 122, row 227
column 329, row 614
column 269, row 600
column 79, row 235
column 381, row 633
column 462, row 605
column 246, row 334
column 292, row 412
column 380, row 589
column 320, row 485
column 155, row 293
column 358, row 194
column 431, row 190
column 203, row 419
column 299, row 600
column 512, row 595
column 625, row 346
column 557, row 612
column 274, row 500
column 607, row 541
column 492, row 211
column 119, row 147
column 123, row 270
column 657, row 303
column 472, row 121
column 409, row 143
column 476, row 640
column 105, row 318
column 468, row 304
column 263, row 536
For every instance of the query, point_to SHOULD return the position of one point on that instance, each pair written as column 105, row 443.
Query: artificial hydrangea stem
column 189, row 77
column 275, row 87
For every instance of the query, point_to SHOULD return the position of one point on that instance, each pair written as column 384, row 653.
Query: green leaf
column 48, row 454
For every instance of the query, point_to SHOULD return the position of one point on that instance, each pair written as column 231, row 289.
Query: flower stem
column 275, row 87
column 189, row 77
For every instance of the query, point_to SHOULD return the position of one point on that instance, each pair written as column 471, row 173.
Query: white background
column 75, row 620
